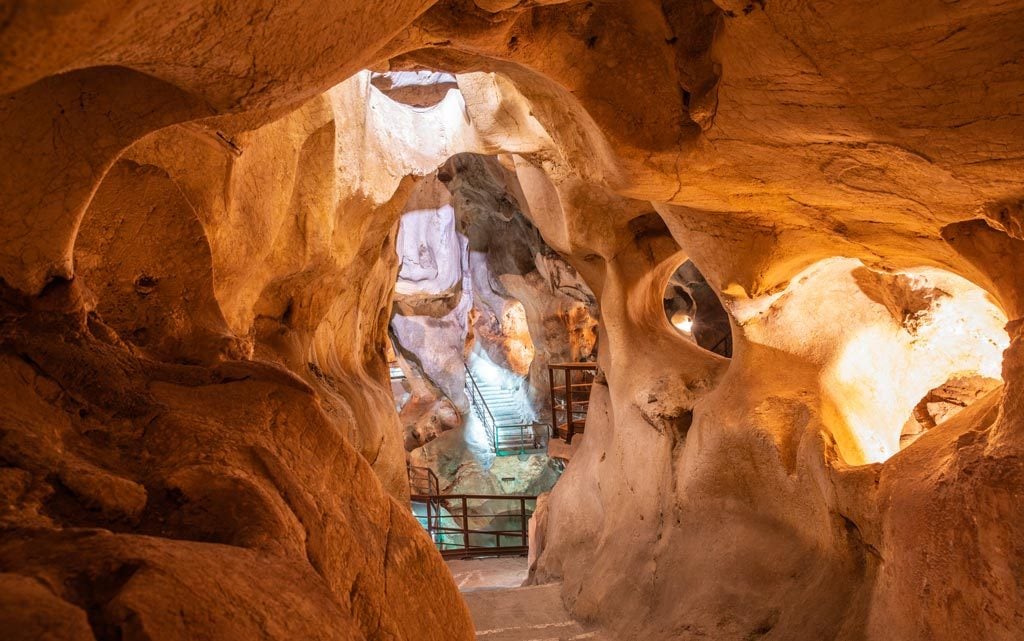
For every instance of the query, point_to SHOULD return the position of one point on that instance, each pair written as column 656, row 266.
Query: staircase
column 510, row 431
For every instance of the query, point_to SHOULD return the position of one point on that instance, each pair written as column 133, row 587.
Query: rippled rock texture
column 197, row 247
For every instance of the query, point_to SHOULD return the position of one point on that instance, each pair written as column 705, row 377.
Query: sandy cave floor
column 503, row 611
column 488, row 574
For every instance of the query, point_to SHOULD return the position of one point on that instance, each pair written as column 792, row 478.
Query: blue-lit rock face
column 475, row 322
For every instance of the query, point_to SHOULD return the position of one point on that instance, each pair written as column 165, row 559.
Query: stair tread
column 508, row 420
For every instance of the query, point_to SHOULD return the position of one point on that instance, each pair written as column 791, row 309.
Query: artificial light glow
column 884, row 369
column 682, row 322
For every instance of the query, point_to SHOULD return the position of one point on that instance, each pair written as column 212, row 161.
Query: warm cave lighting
column 683, row 322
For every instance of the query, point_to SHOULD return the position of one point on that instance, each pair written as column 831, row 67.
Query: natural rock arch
column 768, row 137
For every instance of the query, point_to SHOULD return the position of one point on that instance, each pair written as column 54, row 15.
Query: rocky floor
column 533, row 613
column 503, row 611
column 488, row 574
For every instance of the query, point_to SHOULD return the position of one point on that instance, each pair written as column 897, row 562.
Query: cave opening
column 944, row 402
column 418, row 88
column 899, row 351
column 482, row 306
column 694, row 309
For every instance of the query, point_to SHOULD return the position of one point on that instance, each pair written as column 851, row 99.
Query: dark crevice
column 855, row 535
column 93, row 591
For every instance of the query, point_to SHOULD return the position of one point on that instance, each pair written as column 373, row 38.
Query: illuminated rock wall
column 196, row 247
column 455, row 310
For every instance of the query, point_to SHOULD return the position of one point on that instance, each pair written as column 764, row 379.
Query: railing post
column 430, row 523
column 570, row 424
column 497, row 533
column 554, row 410
column 465, row 525
column 522, row 521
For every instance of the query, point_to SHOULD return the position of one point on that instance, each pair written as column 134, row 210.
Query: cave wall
column 475, row 274
column 709, row 499
column 513, row 264
column 479, row 289
column 204, row 409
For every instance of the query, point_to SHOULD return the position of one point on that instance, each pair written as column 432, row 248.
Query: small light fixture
column 682, row 322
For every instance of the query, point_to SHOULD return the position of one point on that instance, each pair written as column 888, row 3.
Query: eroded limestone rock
column 768, row 142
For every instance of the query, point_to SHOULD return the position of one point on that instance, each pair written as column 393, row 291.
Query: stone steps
column 507, row 410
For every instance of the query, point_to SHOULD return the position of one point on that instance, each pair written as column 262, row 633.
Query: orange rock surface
column 197, row 247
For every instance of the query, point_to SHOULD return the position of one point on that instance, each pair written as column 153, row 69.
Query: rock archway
column 200, row 440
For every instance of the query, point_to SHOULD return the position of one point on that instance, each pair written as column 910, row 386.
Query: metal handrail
column 476, row 389
column 567, row 405
column 433, row 482
column 723, row 340
column 432, row 500
column 522, row 435
column 458, row 512
column 491, row 424
column 477, row 394
column 538, row 438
